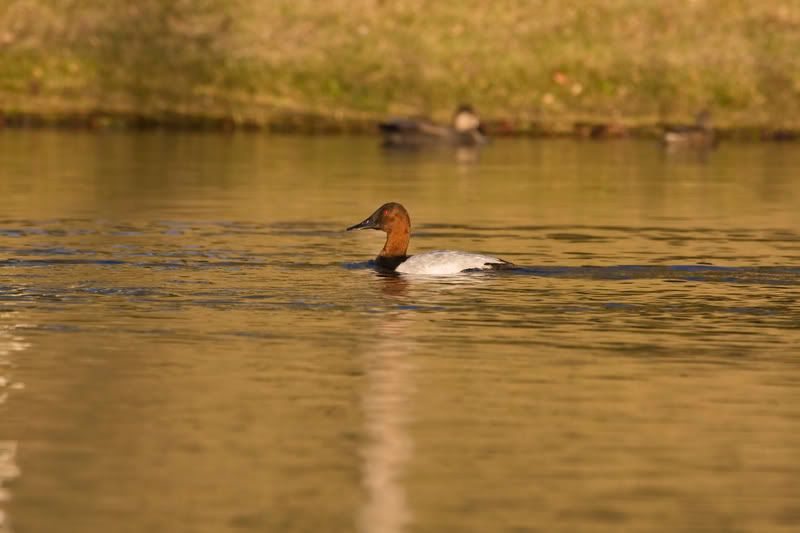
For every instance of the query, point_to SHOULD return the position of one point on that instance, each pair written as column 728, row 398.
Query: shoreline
column 621, row 68
column 311, row 123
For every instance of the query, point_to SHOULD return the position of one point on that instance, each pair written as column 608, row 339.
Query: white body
column 443, row 262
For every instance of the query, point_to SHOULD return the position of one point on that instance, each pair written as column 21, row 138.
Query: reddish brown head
column 394, row 220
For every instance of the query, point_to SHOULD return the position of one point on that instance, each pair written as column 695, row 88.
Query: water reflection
column 682, row 154
column 388, row 395
column 210, row 352
column 467, row 155
column 10, row 342
column 8, row 471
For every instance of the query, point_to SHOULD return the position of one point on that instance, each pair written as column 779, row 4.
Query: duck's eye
column 386, row 212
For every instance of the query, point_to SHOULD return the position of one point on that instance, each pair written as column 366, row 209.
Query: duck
column 465, row 130
column 700, row 135
column 393, row 219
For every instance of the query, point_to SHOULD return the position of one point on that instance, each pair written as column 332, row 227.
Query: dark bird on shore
column 699, row 136
column 465, row 130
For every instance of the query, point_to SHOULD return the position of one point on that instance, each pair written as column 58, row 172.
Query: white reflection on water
column 10, row 342
column 388, row 393
column 8, row 470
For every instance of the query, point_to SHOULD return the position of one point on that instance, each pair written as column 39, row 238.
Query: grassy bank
column 541, row 65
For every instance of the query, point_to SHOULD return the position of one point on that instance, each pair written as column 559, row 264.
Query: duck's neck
column 396, row 243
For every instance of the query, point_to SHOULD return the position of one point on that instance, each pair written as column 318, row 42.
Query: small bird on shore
column 465, row 130
column 698, row 136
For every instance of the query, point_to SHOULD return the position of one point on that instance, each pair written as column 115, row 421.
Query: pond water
column 189, row 341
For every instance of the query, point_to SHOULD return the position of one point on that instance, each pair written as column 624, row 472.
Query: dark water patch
column 126, row 291
column 669, row 273
column 197, row 265
column 576, row 237
column 59, row 262
column 253, row 334
column 60, row 328
column 361, row 265
column 699, row 273
column 53, row 251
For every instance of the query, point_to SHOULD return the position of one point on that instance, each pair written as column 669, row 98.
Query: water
column 190, row 342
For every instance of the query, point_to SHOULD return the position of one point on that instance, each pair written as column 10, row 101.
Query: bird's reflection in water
column 8, row 471
column 467, row 155
column 392, row 285
column 387, row 398
column 10, row 342
column 679, row 154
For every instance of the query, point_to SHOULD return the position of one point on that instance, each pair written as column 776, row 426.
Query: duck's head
column 465, row 120
column 703, row 118
column 388, row 217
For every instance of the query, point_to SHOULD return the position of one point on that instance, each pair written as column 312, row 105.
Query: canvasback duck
column 700, row 135
column 465, row 130
column 394, row 220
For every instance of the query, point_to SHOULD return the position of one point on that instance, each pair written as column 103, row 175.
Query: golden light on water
column 190, row 341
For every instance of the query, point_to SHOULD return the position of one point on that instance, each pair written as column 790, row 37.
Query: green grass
column 540, row 65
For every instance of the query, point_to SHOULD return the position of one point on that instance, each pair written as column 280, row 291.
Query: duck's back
column 412, row 132
column 442, row 262
column 690, row 137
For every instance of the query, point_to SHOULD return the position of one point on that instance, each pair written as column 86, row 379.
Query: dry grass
column 543, row 62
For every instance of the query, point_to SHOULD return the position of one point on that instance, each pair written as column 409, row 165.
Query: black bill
column 366, row 224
